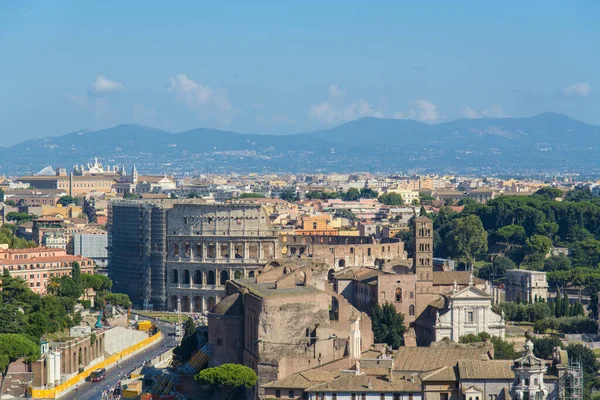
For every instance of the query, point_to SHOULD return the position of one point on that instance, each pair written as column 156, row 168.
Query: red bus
column 98, row 375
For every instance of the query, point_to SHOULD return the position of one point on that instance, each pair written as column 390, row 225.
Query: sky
column 283, row 67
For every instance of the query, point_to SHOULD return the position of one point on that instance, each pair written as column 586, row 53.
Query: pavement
column 93, row 390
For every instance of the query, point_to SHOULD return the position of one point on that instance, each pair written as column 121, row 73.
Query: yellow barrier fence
column 54, row 393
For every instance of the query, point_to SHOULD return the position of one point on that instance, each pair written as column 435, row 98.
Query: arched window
column 411, row 310
column 211, row 277
column 198, row 277
column 211, row 253
column 251, row 274
column 175, row 250
column 330, row 275
column 224, row 277
column 187, row 250
column 398, row 296
column 175, row 276
column 237, row 275
column 186, row 277
column 199, row 250
column 342, row 263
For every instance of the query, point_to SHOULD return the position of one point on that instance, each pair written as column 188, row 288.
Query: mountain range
column 545, row 143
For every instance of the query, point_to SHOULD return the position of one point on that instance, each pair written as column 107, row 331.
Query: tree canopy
column 13, row 347
column 391, row 199
column 66, row 200
column 228, row 377
column 388, row 325
column 251, row 196
column 467, row 239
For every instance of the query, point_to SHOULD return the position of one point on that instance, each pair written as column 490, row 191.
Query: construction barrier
column 58, row 390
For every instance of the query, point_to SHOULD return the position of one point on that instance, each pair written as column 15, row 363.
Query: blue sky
column 285, row 66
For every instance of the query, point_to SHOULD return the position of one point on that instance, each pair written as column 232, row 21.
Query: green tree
column 289, row 195
column 251, row 196
column 189, row 342
column 497, row 269
column 548, row 194
column 511, row 234
column 579, row 195
column 10, row 203
column 391, row 199
column 18, row 217
column 586, row 253
column 467, row 239
column 503, row 350
column 388, row 325
column 315, row 195
column 536, row 248
column 228, row 377
column 544, row 347
column 565, row 305
column 76, row 272
column 368, row 193
column 465, row 200
column 345, row 213
column 14, row 347
column 579, row 352
column 118, row 299
column 351, row 195
column 66, row 200
column 557, row 263
column 547, row 229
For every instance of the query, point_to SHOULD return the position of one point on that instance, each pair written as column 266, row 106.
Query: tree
column 586, row 253
column 66, row 200
column 496, row 270
column 76, row 272
column 368, row 193
column 10, row 203
column 251, row 196
column 14, row 347
column 548, row 194
column 118, row 299
column 345, row 213
column 466, row 200
column 351, row 195
column 467, row 239
column 536, row 248
column 229, row 377
column 388, row 325
column 189, row 342
column 511, row 234
column 89, row 210
column 544, row 347
column 547, row 229
column 314, row 195
column 585, row 355
column 557, row 263
column 391, row 199
column 503, row 350
column 18, row 217
column 579, row 195
column 289, row 195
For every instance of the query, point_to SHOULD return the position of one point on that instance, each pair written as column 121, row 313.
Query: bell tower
column 423, row 262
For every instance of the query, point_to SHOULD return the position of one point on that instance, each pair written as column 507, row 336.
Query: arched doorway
column 237, row 275
column 175, row 276
column 173, row 305
column 342, row 263
column 224, row 277
column 186, row 277
column 210, row 280
column 185, row 304
column 198, row 304
column 198, row 277
column 330, row 275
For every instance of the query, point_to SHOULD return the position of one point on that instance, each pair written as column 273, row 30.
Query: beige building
column 524, row 285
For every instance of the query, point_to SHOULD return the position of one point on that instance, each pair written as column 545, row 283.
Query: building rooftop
column 492, row 369
column 269, row 289
column 449, row 277
column 369, row 383
column 420, row 359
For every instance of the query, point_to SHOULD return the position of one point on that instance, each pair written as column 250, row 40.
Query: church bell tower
column 423, row 262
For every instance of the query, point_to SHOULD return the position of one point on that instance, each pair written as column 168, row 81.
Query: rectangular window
column 278, row 393
column 443, row 396
column 412, row 295
column 381, row 396
column 334, row 396
column 351, row 250
column 314, row 225
column 369, row 252
column 291, row 394
column 469, row 316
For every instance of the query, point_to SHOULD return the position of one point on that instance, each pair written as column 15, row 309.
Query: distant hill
column 544, row 143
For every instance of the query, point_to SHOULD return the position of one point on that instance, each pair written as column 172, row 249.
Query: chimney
column 390, row 373
column 357, row 366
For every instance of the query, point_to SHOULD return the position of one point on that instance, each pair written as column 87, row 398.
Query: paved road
column 93, row 390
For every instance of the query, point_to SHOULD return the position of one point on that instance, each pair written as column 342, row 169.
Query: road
column 93, row 390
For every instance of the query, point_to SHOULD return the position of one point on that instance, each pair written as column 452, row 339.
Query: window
column 397, row 396
column 369, row 252
column 363, row 396
column 411, row 310
column 353, row 396
column 398, row 296
column 443, row 396
column 412, row 295
column 381, row 396
column 278, row 393
column 469, row 316
column 351, row 250
column 334, row 396
column 291, row 394
column 314, row 225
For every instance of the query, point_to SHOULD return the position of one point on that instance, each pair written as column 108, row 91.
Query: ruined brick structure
column 287, row 319
column 343, row 251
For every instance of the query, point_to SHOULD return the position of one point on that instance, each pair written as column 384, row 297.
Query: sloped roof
column 492, row 369
column 421, row 359
column 368, row 383
column 301, row 380
column 229, row 306
column 448, row 278
column 444, row 374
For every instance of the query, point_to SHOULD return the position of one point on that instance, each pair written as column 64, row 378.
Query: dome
column 48, row 171
column 229, row 306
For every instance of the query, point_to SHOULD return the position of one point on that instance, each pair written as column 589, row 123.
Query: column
column 204, row 282
column 204, row 304
column 245, row 255
column 217, row 278
column 260, row 250
column 218, row 250
column 231, row 250
column 203, row 251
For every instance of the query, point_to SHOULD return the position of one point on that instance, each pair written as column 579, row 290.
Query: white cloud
column 469, row 112
column 335, row 91
column 103, row 86
column 577, row 90
column 196, row 94
column 494, row 111
column 336, row 111
column 426, row 110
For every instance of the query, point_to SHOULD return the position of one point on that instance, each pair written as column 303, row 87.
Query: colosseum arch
column 175, row 250
column 197, row 277
column 174, row 276
column 224, row 277
column 186, row 277
column 210, row 280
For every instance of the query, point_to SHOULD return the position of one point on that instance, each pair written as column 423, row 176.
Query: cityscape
column 295, row 201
